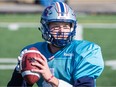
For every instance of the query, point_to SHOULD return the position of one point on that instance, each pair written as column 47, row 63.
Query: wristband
column 50, row 78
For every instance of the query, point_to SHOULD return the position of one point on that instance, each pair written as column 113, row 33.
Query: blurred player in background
column 68, row 62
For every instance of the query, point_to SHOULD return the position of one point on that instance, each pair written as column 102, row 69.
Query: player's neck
column 53, row 49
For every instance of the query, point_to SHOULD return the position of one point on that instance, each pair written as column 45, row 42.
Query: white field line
column 7, row 63
column 8, row 60
column 5, row 66
column 100, row 25
column 111, row 63
column 19, row 25
column 35, row 25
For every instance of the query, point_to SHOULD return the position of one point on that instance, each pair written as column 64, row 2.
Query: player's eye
column 57, row 27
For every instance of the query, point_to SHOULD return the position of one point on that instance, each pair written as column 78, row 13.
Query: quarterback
column 67, row 62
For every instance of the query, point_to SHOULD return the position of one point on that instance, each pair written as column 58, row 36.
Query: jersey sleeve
column 88, row 62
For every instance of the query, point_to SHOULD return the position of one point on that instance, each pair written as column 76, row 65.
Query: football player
column 68, row 62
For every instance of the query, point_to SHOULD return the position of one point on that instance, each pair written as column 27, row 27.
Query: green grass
column 20, row 18
column 96, row 18
column 107, row 78
column 5, row 76
column 36, row 18
column 12, row 42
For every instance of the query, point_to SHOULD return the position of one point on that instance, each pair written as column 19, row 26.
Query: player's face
column 60, row 30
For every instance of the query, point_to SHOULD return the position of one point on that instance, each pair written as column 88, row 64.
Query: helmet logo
column 48, row 11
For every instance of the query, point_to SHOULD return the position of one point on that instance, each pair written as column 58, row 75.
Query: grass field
column 12, row 41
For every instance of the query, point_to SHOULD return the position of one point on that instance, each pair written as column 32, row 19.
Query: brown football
column 29, row 76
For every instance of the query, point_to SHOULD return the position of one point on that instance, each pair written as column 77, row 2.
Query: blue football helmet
column 58, row 12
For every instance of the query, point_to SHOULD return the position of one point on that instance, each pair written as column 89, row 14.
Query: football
column 29, row 76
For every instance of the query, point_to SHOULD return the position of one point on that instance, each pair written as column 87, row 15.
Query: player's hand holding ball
column 26, row 59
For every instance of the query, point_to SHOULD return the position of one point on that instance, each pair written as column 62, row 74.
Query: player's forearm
column 54, row 81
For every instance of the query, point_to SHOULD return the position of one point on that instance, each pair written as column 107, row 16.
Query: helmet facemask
column 58, row 39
